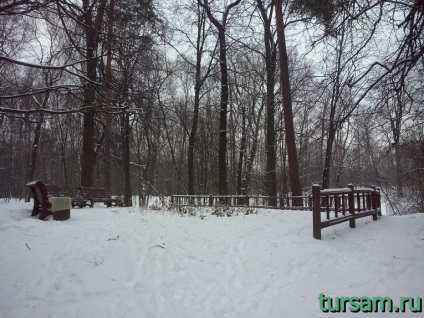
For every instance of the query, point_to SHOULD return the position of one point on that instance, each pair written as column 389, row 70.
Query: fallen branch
column 114, row 238
column 96, row 262
column 157, row 246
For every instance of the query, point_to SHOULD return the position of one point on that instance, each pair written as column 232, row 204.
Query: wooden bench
column 63, row 191
column 42, row 205
column 99, row 195
column 42, row 194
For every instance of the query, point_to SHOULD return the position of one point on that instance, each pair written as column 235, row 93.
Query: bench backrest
column 95, row 193
column 59, row 191
column 40, row 194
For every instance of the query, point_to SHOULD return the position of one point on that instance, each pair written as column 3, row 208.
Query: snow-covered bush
column 182, row 210
column 406, row 202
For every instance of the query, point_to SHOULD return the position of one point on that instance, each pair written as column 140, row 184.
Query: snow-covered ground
column 132, row 262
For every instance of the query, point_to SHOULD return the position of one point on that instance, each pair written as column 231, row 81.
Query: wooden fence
column 347, row 204
column 344, row 204
column 244, row 200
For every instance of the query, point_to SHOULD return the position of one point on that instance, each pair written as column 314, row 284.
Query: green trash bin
column 61, row 208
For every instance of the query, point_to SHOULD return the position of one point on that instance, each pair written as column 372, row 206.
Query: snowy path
column 164, row 265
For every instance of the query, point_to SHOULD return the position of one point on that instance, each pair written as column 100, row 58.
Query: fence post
column 310, row 202
column 282, row 202
column 210, row 200
column 379, row 201
column 369, row 199
column 336, row 205
column 172, row 198
column 316, row 213
column 246, row 200
column 374, row 202
column 351, row 200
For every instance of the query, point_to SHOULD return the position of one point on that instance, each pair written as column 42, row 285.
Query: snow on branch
column 53, row 67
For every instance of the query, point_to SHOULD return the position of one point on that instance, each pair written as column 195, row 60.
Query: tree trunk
column 126, row 129
column 192, row 139
column 270, row 61
column 241, row 151
column 296, row 187
column 197, row 87
column 335, row 97
column 284, row 181
column 108, row 93
column 34, row 150
column 174, row 160
column 222, row 151
column 328, row 155
column 91, row 30
column 251, row 158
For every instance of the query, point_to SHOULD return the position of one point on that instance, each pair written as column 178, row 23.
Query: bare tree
column 201, row 68
column 221, row 27
column 108, row 96
column 266, row 12
column 287, row 105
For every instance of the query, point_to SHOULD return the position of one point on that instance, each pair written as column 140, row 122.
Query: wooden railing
column 347, row 204
column 231, row 200
column 245, row 200
column 289, row 202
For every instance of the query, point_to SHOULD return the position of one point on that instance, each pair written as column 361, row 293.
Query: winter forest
column 149, row 97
